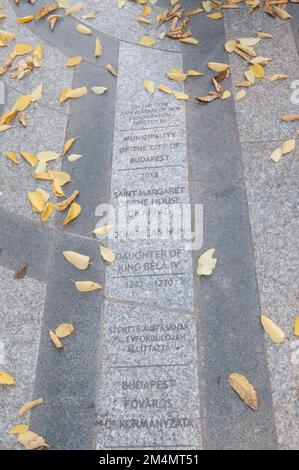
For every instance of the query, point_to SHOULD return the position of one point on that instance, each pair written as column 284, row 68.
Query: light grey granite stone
column 22, row 305
column 45, row 131
column 148, row 390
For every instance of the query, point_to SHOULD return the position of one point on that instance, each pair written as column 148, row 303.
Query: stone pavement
column 148, row 364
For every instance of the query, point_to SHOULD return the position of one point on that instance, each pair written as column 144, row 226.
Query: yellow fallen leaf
column 74, row 9
column 62, row 177
column 296, row 326
column 29, row 157
column 282, row 14
column 61, row 206
column 147, row 41
column 24, row 19
column 226, row 94
column 87, row 286
column 231, row 45
column 23, row 102
column 4, row 127
column 73, row 61
column 111, row 69
column 44, row 10
column 13, row 157
column 37, row 201
column 107, row 254
column 206, row 263
column 82, row 29
column 149, row 85
column 98, row 90
column 189, row 40
column 74, row 157
column 63, row 95
column 218, row 67
column 177, row 76
column 47, row 212
column 261, row 60
column 47, row 156
column 68, row 144
column 288, row 146
column 276, row 155
column 249, row 42
column 57, row 189
column 245, row 390
column 30, row 440
column 290, row 117
column 273, row 331
column 263, row 35
column 102, row 230
column 165, row 89
column 250, row 76
column 73, row 213
column 19, row 429
column 143, row 20
column 75, row 93
column 194, row 73
column 89, row 16
column 37, row 93
column 257, row 70
column 64, row 329
column 98, row 48
column 6, row 379
column 29, row 405
column 240, row 95
column 22, row 49
column 76, row 259
column 55, row 340
column 179, row 95
column 278, row 76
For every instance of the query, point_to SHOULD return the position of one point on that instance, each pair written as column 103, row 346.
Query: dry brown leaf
column 98, row 48
column 245, row 390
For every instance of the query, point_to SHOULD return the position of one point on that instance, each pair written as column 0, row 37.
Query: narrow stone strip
column 227, row 303
column 273, row 225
